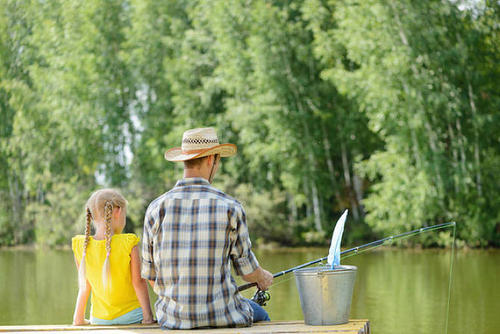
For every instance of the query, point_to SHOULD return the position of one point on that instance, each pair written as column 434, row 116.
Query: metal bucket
column 326, row 294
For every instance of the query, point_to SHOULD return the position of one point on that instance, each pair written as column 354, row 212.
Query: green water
column 399, row 291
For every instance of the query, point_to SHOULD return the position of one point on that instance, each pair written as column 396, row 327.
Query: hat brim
column 176, row 153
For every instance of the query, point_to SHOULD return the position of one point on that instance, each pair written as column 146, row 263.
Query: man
column 192, row 235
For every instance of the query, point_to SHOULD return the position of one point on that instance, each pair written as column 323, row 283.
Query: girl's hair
column 100, row 207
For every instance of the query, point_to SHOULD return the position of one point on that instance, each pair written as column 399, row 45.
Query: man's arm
column 244, row 261
column 148, row 270
column 140, row 286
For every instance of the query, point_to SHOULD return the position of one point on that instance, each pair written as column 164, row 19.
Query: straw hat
column 197, row 143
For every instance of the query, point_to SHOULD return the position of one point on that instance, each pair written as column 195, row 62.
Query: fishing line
column 450, row 279
column 283, row 280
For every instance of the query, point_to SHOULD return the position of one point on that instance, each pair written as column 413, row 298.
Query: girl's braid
column 81, row 271
column 108, row 212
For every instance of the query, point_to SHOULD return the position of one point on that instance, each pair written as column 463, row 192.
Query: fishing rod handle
column 281, row 273
column 246, row 286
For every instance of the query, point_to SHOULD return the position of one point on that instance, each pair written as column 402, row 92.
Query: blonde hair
column 100, row 206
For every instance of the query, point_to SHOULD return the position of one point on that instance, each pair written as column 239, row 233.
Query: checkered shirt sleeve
column 148, row 270
column 244, row 261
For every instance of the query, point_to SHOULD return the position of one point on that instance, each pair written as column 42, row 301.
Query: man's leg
column 259, row 314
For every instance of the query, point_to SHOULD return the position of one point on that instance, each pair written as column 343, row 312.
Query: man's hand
column 266, row 280
column 262, row 277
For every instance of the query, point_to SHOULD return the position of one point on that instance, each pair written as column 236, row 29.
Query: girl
column 109, row 265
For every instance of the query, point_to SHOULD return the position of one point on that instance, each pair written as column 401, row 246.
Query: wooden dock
column 352, row 327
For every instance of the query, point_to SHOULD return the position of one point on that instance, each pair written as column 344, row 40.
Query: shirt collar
column 192, row 181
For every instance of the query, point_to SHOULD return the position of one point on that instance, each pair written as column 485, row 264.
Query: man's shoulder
column 156, row 202
column 207, row 191
column 221, row 195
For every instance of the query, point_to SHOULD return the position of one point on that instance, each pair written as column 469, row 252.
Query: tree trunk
column 16, row 198
column 292, row 217
column 316, row 207
column 455, row 157
column 476, row 139
column 358, row 190
column 461, row 142
column 347, row 178
column 329, row 163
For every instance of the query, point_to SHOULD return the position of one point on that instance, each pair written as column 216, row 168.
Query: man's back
column 191, row 234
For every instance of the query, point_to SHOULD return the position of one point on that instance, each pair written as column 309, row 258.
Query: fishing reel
column 261, row 297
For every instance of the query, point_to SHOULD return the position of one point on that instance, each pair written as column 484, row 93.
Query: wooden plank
column 361, row 326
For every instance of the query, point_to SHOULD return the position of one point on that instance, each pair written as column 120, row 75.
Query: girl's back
column 120, row 297
column 109, row 266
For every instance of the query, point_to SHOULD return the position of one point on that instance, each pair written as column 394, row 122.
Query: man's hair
column 194, row 162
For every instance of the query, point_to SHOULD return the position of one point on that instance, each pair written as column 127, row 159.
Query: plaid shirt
column 191, row 235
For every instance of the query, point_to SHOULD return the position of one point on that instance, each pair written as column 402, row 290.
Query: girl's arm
column 140, row 286
column 81, row 302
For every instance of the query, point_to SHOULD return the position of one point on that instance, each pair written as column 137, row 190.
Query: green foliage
column 266, row 215
column 389, row 109
column 402, row 198
column 61, row 215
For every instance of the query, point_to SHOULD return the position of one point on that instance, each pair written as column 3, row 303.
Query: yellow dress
column 121, row 297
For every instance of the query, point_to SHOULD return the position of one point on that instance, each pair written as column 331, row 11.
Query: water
column 398, row 290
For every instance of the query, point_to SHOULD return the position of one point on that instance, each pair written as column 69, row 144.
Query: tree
column 412, row 79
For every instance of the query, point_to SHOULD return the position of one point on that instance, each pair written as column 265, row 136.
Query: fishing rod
column 264, row 296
